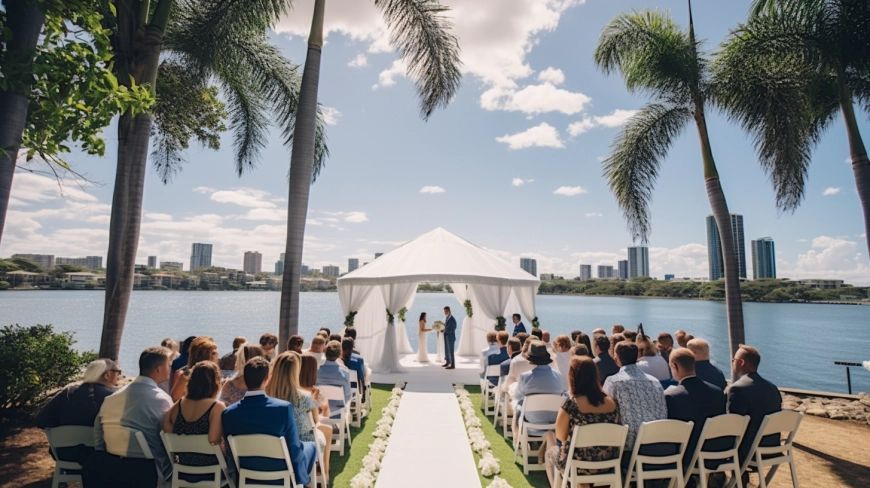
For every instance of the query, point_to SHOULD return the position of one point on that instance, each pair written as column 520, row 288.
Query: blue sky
column 512, row 164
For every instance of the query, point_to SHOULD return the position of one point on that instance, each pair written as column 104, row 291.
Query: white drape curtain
column 525, row 296
column 489, row 302
column 462, row 292
column 394, row 296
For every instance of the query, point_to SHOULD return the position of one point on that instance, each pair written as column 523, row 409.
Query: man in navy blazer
column 518, row 325
column 693, row 399
column 257, row 413
column 500, row 356
column 449, row 339
column 752, row 395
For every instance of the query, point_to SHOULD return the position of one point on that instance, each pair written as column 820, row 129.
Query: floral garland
column 469, row 311
column 536, row 324
column 371, row 463
column 402, row 312
column 349, row 318
column 391, row 319
column 500, row 323
column 488, row 464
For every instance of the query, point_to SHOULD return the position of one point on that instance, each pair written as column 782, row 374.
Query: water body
column 799, row 342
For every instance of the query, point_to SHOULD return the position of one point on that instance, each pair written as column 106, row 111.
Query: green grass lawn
column 343, row 468
column 503, row 450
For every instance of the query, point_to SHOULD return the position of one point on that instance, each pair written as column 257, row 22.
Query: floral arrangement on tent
column 536, row 324
column 488, row 464
column 371, row 463
column 500, row 323
column 391, row 319
column 438, row 326
column 469, row 311
column 349, row 318
column 402, row 312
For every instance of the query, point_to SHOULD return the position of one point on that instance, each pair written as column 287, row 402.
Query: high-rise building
column 585, row 272
column 304, row 270
column 714, row 247
column 172, row 265
column 200, row 256
column 623, row 269
column 330, row 271
column 529, row 265
column 352, row 265
column 638, row 262
column 605, row 272
column 89, row 262
column 44, row 261
column 279, row 265
column 763, row 258
column 152, row 262
column 253, row 262
column 378, row 254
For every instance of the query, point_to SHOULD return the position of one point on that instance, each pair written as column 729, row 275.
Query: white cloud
column 593, row 214
column 521, row 182
column 534, row 99
column 542, row 135
column 34, row 188
column 569, row 191
column 330, row 115
column 616, row 118
column 359, row 61
column 356, row 217
column 552, row 75
column 432, row 189
column 244, row 197
column 204, row 189
column 387, row 77
column 831, row 257
column 831, row 191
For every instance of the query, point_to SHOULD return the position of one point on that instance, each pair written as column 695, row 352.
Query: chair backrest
column 354, row 377
column 542, row 402
column 332, row 392
column 665, row 431
column 492, row 370
column 262, row 446
column 70, row 436
column 123, row 441
column 786, row 421
column 725, row 425
column 187, row 443
column 593, row 435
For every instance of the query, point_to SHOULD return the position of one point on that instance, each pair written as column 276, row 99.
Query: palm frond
column 421, row 31
column 226, row 16
column 248, row 121
column 651, row 52
column 632, row 168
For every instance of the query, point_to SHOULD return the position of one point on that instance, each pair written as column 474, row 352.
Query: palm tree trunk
column 301, row 170
column 26, row 19
column 858, row 154
column 137, row 55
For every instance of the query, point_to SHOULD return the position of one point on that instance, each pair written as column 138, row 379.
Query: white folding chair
column 340, row 418
column 723, row 460
column 760, row 457
column 263, row 446
column 357, row 410
column 498, row 406
column 595, row 435
column 529, row 432
column 125, row 442
column 198, row 444
column 507, row 415
column 659, row 431
column 490, row 391
column 68, row 436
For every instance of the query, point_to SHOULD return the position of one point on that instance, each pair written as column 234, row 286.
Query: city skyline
column 542, row 124
column 714, row 247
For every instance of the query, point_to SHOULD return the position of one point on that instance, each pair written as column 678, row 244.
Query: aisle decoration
column 349, row 318
column 371, row 463
column 469, row 310
column 488, row 465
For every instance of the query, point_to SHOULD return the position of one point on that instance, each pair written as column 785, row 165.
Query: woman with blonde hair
column 284, row 385
column 235, row 389
column 201, row 349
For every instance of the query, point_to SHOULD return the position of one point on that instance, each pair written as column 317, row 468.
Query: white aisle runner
column 428, row 446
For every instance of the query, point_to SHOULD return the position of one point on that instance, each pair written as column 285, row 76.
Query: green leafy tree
column 786, row 73
column 421, row 32
column 655, row 56
column 56, row 83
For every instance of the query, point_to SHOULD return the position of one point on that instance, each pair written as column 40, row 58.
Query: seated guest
column 500, row 356
column 752, row 395
column 630, row 335
column 581, row 350
column 492, row 347
column 316, row 348
column 514, row 347
column 228, row 360
column 269, row 342
column 284, row 385
column 172, row 345
column 326, row 331
column 603, row 360
column 541, row 379
column 639, row 395
column 584, row 339
column 201, row 349
column 295, row 343
column 519, row 365
column 650, row 362
column 598, row 332
column 523, row 337
column 331, row 373
column 545, row 336
column 575, row 334
column 562, row 353
column 588, row 404
column 79, row 403
column 680, row 335
column 335, row 337
column 537, row 333
column 307, row 383
column 703, row 367
column 693, row 399
column 354, row 362
column 257, row 413
column 617, row 329
column 180, row 361
column 614, row 340
column 198, row 413
column 665, row 344
column 235, row 389
column 518, row 324
column 140, row 406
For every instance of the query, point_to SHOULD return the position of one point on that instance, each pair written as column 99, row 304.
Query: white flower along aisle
column 371, row 463
column 488, row 464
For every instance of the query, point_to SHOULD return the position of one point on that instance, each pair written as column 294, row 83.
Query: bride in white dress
column 422, row 353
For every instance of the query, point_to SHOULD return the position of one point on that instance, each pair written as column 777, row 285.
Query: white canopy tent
column 494, row 286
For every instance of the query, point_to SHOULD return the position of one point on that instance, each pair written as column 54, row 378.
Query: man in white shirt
column 139, row 406
column 519, row 365
column 491, row 348
column 318, row 345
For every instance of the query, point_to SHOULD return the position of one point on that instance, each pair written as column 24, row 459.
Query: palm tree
column 421, row 33
column 222, row 40
column 785, row 74
column 656, row 56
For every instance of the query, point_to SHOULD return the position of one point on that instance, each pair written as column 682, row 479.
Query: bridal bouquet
column 438, row 326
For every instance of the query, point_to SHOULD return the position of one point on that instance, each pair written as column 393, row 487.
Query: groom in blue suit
column 257, row 413
column 449, row 339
